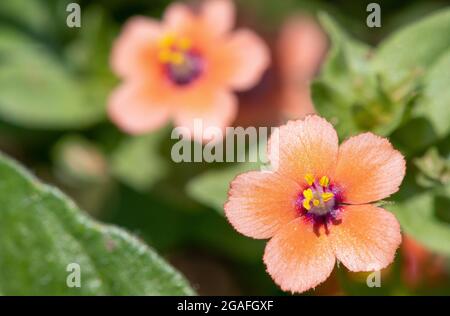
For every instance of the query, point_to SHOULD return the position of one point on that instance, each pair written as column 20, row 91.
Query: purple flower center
column 181, row 62
column 320, row 202
column 186, row 71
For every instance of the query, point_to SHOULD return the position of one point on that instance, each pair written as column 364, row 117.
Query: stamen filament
column 318, row 198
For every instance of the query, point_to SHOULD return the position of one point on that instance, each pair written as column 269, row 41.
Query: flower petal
column 177, row 16
column 219, row 15
column 296, row 100
column 260, row 203
column 301, row 47
column 132, row 52
column 298, row 259
column 210, row 109
column 247, row 57
column 135, row 110
column 368, row 169
column 304, row 146
column 366, row 238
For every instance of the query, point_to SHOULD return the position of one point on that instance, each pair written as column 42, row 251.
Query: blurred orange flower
column 421, row 266
column 184, row 68
column 316, row 206
column 301, row 48
column 284, row 92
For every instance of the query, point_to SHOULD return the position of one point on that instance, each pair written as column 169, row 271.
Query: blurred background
column 54, row 83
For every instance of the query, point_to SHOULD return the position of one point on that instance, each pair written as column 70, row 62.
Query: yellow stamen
column 167, row 41
column 308, row 194
column 324, row 181
column 309, row 179
column 316, row 202
column 327, row 196
column 184, row 44
column 306, row 204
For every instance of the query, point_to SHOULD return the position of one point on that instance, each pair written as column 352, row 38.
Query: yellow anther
column 167, row 41
column 327, row 196
column 184, row 43
column 316, row 202
column 309, row 179
column 306, row 204
column 324, row 181
column 308, row 194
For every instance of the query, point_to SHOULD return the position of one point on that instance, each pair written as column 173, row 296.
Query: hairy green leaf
column 436, row 95
column 408, row 52
column 42, row 232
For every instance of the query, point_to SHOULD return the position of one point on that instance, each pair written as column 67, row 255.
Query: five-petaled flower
column 184, row 68
column 284, row 91
column 317, row 205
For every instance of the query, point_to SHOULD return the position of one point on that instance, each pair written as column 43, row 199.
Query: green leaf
column 360, row 89
column 32, row 14
column 347, row 59
column 418, row 218
column 42, row 232
column 408, row 14
column 38, row 91
column 349, row 92
column 342, row 74
column 335, row 106
column 211, row 188
column 409, row 51
column 138, row 161
column 90, row 49
column 414, row 136
column 434, row 169
column 436, row 95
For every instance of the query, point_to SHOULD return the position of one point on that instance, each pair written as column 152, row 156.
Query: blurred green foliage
column 54, row 85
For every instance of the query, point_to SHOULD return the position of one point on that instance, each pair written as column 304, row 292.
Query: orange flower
column 316, row 204
column 301, row 48
column 184, row 68
column 284, row 91
column 421, row 266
